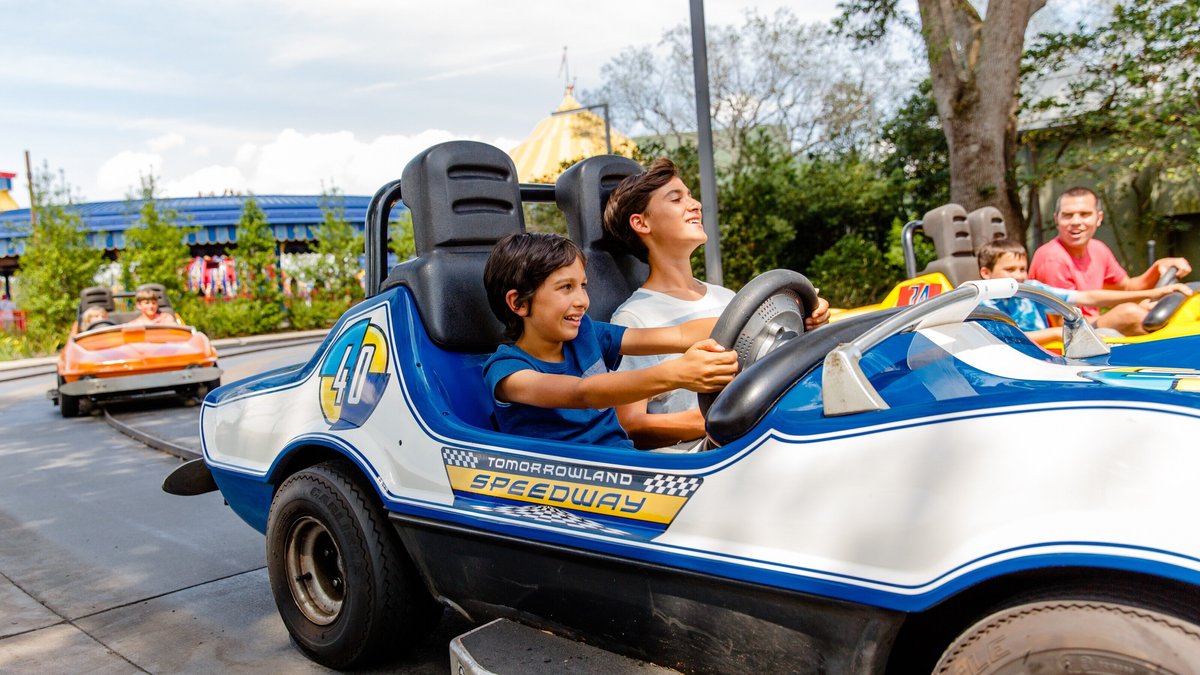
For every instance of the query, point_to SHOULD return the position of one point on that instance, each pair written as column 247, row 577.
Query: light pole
column 708, row 177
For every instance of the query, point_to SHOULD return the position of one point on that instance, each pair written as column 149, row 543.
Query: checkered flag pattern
column 676, row 486
column 550, row 515
column 455, row 457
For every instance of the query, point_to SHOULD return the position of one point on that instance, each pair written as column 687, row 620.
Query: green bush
column 852, row 273
column 318, row 314
column 233, row 318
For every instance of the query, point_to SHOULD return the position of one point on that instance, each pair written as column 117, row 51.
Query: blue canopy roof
column 292, row 217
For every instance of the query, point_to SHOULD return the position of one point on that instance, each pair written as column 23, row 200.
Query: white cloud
column 122, row 173
column 298, row 49
column 165, row 142
column 209, row 180
column 298, row 163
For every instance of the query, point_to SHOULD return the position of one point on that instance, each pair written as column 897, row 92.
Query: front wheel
column 343, row 584
column 1069, row 637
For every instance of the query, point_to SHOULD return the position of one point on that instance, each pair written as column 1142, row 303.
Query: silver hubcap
column 316, row 574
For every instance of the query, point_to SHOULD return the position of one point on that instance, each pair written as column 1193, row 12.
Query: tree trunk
column 975, row 69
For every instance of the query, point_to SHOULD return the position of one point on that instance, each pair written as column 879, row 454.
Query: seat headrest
column 464, row 197
column 583, row 190
column 947, row 227
column 462, row 193
column 987, row 224
column 96, row 296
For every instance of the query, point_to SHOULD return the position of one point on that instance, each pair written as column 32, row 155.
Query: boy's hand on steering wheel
column 706, row 367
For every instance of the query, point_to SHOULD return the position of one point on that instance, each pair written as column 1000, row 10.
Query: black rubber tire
column 1069, row 637
column 67, row 405
column 362, row 593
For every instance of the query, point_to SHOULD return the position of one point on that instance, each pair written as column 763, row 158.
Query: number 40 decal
column 354, row 375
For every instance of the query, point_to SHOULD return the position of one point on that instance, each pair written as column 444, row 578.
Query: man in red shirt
column 1075, row 260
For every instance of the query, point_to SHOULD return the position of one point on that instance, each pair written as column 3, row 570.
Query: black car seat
column 987, row 224
column 464, row 197
column 613, row 272
column 951, row 234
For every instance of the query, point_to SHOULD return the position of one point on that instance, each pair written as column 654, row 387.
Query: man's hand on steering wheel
column 820, row 313
column 1163, row 265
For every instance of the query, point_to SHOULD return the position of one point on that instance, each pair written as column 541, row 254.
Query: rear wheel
column 67, row 405
column 343, row 583
column 1075, row 636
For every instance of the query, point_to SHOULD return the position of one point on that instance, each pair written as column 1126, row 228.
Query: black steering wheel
column 767, row 312
column 100, row 323
column 1165, row 308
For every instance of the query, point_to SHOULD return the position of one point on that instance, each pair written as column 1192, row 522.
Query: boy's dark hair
column 522, row 262
column 991, row 251
column 632, row 195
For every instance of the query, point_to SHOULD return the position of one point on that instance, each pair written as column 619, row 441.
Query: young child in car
column 557, row 380
column 1007, row 259
column 147, row 304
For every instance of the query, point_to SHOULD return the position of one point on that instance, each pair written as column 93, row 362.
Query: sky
column 296, row 96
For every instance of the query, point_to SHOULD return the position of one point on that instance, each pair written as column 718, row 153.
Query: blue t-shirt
column 1028, row 314
column 596, row 349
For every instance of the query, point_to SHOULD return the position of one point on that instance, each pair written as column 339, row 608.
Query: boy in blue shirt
column 556, row 381
column 1007, row 259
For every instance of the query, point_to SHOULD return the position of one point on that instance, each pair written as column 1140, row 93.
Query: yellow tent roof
column 564, row 138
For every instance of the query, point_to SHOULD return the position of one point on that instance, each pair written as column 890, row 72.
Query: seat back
column 96, row 296
column 951, row 234
column 987, row 224
column 581, row 192
column 464, row 197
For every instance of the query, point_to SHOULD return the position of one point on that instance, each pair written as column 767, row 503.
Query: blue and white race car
column 915, row 490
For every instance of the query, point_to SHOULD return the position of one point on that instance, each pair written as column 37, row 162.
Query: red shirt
column 1098, row 268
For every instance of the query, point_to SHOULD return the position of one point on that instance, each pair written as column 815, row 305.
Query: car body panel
column 942, row 495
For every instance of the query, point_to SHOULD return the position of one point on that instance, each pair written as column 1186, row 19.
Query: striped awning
column 291, row 217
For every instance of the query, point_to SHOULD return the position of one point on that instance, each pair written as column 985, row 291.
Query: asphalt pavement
column 103, row 572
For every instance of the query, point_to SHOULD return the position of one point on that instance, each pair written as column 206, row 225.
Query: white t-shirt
column 651, row 309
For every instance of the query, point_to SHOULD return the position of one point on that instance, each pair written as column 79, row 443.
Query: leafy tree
column 758, row 200
column 258, row 272
column 256, row 257
column 400, row 236
column 155, row 246
column 974, row 65
column 772, row 71
column 1129, row 114
column 57, row 263
column 338, row 249
column 917, row 160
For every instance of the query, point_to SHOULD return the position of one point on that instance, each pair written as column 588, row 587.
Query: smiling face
column 1007, row 266
column 148, row 307
column 1077, row 219
column 672, row 219
column 552, row 316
